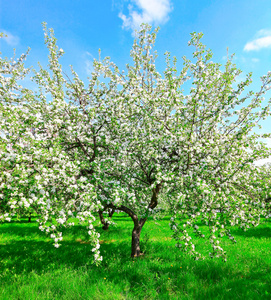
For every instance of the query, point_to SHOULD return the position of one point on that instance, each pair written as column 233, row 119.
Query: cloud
column 9, row 38
column 263, row 32
column 262, row 40
column 247, row 60
column 89, row 63
column 146, row 11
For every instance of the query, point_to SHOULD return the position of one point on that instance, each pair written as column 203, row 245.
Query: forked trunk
column 139, row 224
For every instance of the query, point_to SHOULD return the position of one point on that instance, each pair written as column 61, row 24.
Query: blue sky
column 84, row 26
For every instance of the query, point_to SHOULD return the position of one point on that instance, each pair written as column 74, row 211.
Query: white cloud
column 146, row 11
column 89, row 63
column 262, row 40
column 263, row 32
column 247, row 60
column 89, row 67
column 255, row 60
column 10, row 39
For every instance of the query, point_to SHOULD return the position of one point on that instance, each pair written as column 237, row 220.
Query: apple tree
column 135, row 141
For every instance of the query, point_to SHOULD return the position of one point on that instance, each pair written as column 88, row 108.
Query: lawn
column 31, row 268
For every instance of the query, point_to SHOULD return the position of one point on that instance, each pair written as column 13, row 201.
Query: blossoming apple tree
column 132, row 140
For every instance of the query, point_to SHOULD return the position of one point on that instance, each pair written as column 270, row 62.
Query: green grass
column 31, row 268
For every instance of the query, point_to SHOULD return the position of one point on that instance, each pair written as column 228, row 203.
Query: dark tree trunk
column 111, row 212
column 29, row 218
column 136, row 241
column 136, row 237
column 105, row 224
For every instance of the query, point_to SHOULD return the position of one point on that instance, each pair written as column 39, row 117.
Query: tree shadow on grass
column 256, row 232
column 36, row 252
column 15, row 229
column 41, row 256
column 22, row 229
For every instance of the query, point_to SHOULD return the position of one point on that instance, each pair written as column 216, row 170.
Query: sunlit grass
column 31, row 268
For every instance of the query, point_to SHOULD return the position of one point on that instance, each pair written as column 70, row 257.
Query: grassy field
column 31, row 268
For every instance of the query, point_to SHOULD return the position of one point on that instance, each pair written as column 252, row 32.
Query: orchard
column 136, row 142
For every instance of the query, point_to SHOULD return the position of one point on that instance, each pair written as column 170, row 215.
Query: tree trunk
column 105, row 227
column 111, row 212
column 105, row 224
column 136, row 241
column 29, row 218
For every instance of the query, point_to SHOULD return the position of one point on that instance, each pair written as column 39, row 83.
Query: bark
column 154, row 199
column 111, row 212
column 29, row 218
column 105, row 224
column 136, row 240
